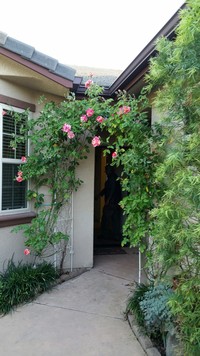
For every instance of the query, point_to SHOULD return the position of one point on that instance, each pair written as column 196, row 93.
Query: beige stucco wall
column 83, row 214
column 82, row 232
column 12, row 244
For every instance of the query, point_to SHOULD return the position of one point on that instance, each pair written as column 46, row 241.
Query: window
column 12, row 193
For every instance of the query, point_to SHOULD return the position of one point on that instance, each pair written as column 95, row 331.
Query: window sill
column 16, row 219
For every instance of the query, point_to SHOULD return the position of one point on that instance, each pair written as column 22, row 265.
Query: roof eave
column 37, row 68
column 140, row 63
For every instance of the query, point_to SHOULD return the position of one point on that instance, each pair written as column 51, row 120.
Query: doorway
column 112, row 238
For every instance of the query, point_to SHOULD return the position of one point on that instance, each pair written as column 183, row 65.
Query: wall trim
column 16, row 219
column 17, row 103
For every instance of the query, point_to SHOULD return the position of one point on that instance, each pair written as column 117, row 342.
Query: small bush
column 154, row 306
column 21, row 283
column 149, row 305
column 133, row 304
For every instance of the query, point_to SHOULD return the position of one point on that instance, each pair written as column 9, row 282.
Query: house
column 26, row 75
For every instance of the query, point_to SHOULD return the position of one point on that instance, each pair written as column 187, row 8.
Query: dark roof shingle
column 32, row 55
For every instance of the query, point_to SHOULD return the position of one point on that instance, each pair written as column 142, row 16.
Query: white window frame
column 10, row 160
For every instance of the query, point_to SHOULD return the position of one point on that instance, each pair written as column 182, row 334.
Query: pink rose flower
column 120, row 112
column 100, row 119
column 96, row 141
column 84, row 118
column 124, row 110
column 114, row 154
column 66, row 128
column 89, row 112
column 23, row 159
column 20, row 173
column 19, row 179
column 27, row 252
column 88, row 83
column 70, row 134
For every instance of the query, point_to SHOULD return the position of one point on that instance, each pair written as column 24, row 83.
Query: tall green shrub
column 176, row 231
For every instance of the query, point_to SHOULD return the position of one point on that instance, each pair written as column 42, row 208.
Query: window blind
column 13, row 192
column 12, row 129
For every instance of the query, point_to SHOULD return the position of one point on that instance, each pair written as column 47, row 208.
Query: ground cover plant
column 21, row 283
column 149, row 304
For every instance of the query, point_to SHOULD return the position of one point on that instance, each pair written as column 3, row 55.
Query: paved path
column 81, row 317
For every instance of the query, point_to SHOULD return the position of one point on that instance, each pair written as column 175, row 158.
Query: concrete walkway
column 81, row 317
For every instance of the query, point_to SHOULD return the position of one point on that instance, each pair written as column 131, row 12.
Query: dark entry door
column 107, row 219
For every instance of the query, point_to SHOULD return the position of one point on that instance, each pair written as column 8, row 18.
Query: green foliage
column 53, row 161
column 185, row 305
column 176, row 218
column 149, row 305
column 22, row 283
column 40, row 233
column 154, row 306
column 133, row 138
column 133, row 304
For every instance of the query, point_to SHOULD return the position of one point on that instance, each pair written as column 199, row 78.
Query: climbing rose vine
column 61, row 137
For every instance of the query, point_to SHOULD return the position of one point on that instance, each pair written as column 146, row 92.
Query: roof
column 102, row 76
column 139, row 66
column 134, row 74
column 30, row 54
column 112, row 80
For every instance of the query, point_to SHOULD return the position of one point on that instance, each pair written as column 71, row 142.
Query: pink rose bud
column 100, row 119
column 89, row 112
column 27, row 252
column 70, row 134
column 84, row 118
column 23, row 159
column 114, row 154
column 124, row 110
column 88, row 83
column 20, row 173
column 66, row 128
column 19, row 179
column 96, row 141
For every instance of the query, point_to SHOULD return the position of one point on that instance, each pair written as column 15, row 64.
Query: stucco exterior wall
column 12, row 244
column 83, row 214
